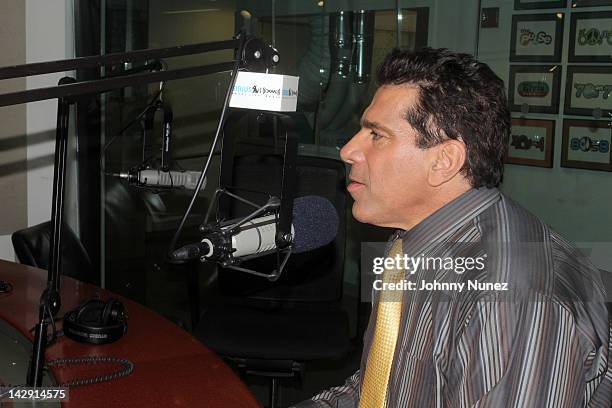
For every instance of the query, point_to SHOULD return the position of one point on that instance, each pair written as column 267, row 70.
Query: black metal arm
column 50, row 300
column 254, row 55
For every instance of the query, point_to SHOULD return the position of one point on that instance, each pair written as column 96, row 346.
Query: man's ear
column 446, row 161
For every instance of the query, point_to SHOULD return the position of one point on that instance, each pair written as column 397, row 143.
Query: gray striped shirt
column 546, row 342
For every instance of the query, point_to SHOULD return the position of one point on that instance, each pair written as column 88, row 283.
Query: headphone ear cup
column 90, row 311
column 107, row 311
column 118, row 313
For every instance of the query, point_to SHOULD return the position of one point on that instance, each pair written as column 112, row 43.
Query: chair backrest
column 32, row 248
column 314, row 276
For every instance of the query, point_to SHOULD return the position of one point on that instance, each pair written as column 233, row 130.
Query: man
column 427, row 161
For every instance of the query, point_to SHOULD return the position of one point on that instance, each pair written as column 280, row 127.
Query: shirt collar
column 443, row 222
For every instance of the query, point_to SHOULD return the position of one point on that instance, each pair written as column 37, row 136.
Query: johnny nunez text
column 435, row 285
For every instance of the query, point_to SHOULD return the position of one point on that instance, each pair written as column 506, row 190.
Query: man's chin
column 373, row 218
column 360, row 215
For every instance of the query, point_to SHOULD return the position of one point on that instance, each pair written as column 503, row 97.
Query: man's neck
column 437, row 199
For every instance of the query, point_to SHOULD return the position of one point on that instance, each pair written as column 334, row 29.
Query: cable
column 54, row 329
column 128, row 365
column 126, row 127
column 204, row 170
column 128, row 368
column 55, row 334
column 76, row 382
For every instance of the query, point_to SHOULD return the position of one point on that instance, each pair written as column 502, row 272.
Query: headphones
column 96, row 322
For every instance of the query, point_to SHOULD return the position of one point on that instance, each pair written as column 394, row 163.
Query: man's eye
column 375, row 136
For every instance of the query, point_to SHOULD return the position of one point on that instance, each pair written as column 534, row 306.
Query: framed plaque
column 538, row 4
column 586, row 144
column 591, row 3
column 588, row 91
column 534, row 88
column 536, row 37
column 531, row 142
column 591, row 37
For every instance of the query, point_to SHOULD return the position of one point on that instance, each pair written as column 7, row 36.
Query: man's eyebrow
column 365, row 123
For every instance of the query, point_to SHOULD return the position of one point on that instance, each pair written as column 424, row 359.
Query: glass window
column 333, row 50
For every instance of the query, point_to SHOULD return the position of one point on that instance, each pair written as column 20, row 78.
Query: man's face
column 388, row 171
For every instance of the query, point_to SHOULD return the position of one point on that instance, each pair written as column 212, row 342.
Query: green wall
column 573, row 201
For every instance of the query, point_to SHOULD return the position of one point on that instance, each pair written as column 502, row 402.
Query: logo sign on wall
column 531, row 142
column 592, row 91
column 588, row 91
column 586, row 144
column 591, row 37
column 536, row 37
column 534, row 88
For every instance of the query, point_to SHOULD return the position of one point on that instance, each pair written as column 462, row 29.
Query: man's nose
column 352, row 151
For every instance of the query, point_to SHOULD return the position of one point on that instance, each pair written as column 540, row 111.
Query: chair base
column 276, row 370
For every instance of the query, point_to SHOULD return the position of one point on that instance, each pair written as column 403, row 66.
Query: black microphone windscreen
column 315, row 221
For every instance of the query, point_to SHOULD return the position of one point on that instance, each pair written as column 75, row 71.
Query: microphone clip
column 221, row 250
column 218, row 242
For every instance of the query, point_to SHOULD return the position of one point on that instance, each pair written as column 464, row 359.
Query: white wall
column 13, row 192
column 49, row 36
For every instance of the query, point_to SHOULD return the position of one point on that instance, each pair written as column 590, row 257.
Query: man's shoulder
column 521, row 247
column 515, row 241
column 513, row 227
column 510, row 221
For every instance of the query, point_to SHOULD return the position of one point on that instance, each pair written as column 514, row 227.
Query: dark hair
column 458, row 97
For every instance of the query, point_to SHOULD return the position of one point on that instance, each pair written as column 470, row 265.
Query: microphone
column 315, row 224
column 245, row 16
column 164, row 179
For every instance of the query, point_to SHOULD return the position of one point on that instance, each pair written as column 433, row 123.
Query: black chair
column 272, row 329
column 32, row 248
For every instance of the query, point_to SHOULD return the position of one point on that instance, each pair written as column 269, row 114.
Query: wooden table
column 171, row 368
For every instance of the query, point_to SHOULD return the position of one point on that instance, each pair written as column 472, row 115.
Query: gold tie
column 376, row 378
